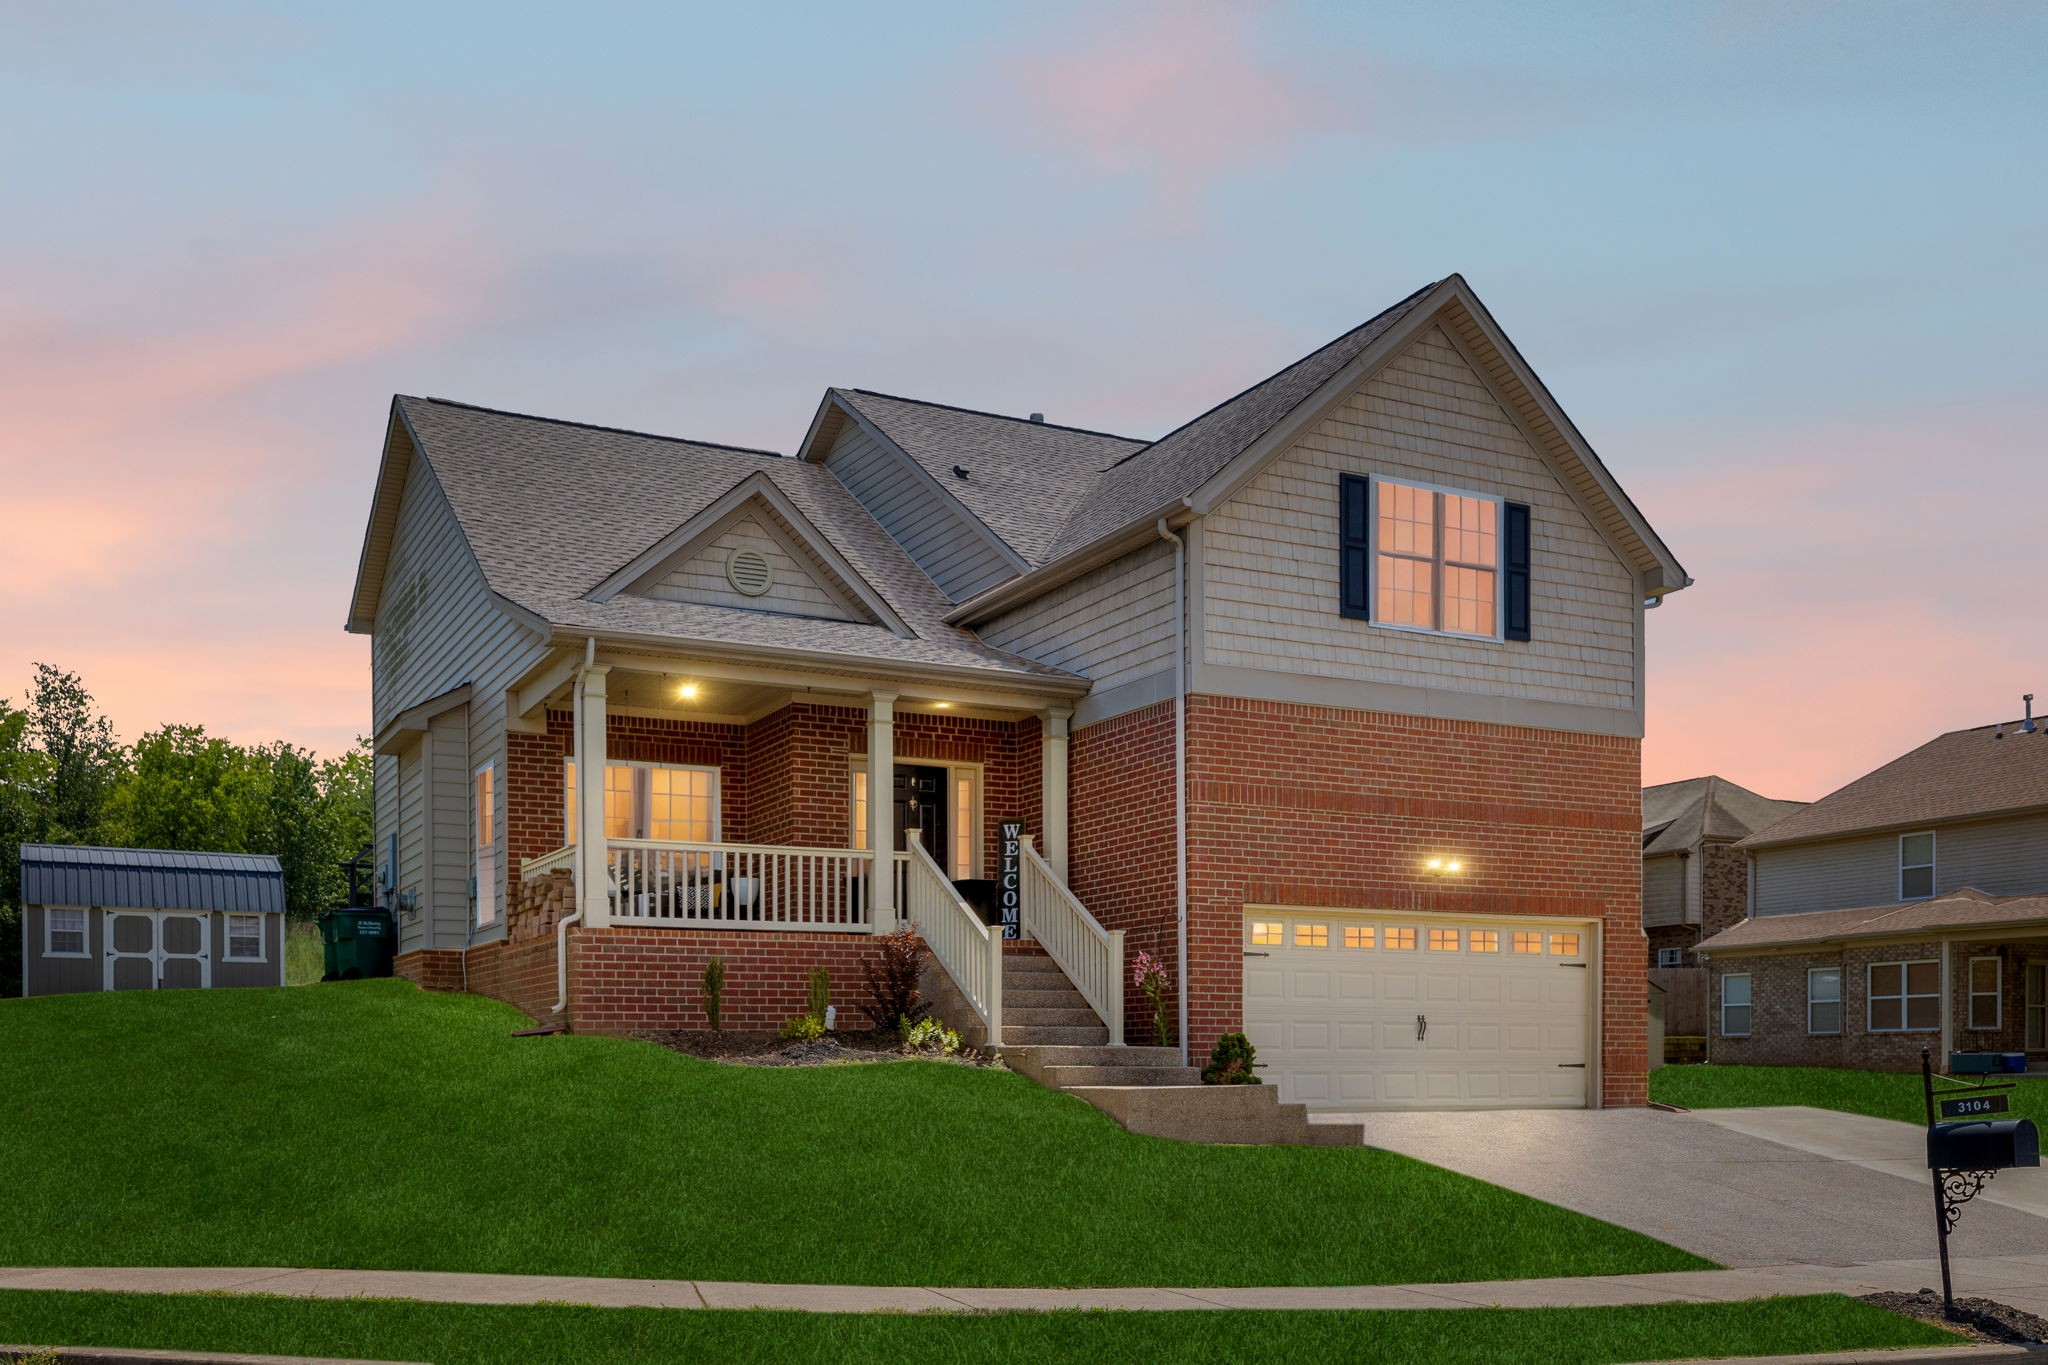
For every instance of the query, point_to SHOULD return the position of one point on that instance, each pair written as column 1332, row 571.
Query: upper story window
column 1916, row 866
column 1416, row 557
column 652, row 801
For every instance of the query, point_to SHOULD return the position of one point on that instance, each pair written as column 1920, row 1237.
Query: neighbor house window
column 1436, row 562
column 1986, row 1003
column 671, row 803
column 1916, row 866
column 1824, row 1000
column 487, row 844
column 1905, row 997
column 64, row 933
column 1671, row 957
column 245, row 938
column 1735, row 1005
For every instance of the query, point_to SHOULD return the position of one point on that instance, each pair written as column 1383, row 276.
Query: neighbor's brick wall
column 1671, row 936
column 1724, row 887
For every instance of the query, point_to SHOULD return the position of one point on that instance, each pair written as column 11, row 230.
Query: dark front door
column 921, row 805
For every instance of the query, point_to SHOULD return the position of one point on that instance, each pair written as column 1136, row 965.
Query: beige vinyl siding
column 412, row 844
column 954, row 551
column 1113, row 625
column 1664, row 900
column 796, row 590
column 449, row 849
column 2006, row 857
column 1270, row 570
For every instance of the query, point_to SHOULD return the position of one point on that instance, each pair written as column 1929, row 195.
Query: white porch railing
column 739, row 886
column 1091, row 956
column 969, row 950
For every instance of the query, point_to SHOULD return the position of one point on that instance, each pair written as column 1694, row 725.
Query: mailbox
column 1986, row 1145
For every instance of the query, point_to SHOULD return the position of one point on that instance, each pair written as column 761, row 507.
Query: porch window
column 1916, row 867
column 1905, row 997
column 245, row 938
column 1824, row 1000
column 668, row 802
column 487, row 845
column 1735, row 1005
column 64, row 933
column 1986, row 998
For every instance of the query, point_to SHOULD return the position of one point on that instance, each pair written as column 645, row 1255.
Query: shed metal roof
column 150, row 879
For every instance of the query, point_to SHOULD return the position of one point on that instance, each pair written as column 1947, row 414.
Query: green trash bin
column 358, row 943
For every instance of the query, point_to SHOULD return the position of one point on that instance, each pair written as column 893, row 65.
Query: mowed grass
column 450, row 1334
column 1880, row 1094
column 372, row 1125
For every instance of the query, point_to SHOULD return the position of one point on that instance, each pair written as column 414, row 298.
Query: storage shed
column 140, row 919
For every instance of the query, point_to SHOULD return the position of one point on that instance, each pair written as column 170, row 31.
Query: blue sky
column 1778, row 261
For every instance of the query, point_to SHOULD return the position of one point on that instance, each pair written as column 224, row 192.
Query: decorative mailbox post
column 1964, row 1155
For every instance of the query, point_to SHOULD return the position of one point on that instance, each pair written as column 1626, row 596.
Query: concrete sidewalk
column 2021, row 1281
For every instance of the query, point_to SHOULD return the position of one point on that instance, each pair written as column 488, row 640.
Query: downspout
column 576, row 866
column 1180, row 776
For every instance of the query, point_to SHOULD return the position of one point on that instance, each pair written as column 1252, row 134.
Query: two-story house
column 1907, row 910
column 1331, row 699
column 1695, row 878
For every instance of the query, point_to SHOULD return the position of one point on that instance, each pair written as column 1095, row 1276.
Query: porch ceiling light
column 688, row 691
column 942, row 706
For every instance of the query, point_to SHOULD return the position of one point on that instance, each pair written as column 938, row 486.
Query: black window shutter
column 1354, row 526
column 1515, row 605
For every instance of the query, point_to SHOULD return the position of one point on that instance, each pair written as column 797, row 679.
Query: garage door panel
column 1357, row 986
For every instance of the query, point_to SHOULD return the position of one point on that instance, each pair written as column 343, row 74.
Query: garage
column 1352, row 1010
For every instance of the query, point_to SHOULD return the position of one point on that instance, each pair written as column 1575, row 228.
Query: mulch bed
column 1983, row 1319
column 740, row 1047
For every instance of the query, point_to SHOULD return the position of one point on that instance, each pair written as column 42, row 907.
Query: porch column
column 593, row 891
column 882, row 811
column 1052, row 786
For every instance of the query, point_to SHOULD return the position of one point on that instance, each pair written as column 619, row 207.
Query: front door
column 921, row 805
column 2037, row 1007
column 131, row 950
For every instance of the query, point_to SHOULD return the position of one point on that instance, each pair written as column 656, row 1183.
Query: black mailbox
column 1985, row 1145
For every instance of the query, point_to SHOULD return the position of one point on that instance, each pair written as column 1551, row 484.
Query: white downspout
column 574, row 916
column 1180, row 776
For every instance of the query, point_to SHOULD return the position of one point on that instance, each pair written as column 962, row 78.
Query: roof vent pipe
column 2027, row 726
column 1038, row 417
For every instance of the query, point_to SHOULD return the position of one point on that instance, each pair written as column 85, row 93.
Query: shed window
column 1986, row 1003
column 245, row 938
column 1735, row 1005
column 64, row 933
column 1916, row 867
column 1824, row 1000
column 1905, row 997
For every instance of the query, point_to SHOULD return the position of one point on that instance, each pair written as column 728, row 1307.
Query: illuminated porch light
column 688, row 691
column 942, row 706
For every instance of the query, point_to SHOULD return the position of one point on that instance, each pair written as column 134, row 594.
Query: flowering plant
column 1148, row 974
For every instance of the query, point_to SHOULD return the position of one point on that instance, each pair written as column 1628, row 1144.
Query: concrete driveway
column 1699, row 1182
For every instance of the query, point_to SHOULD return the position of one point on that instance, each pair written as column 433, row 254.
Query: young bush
column 803, row 1028
column 1148, row 974
column 893, row 995
column 714, row 991
column 929, row 1036
column 1230, row 1062
column 820, row 993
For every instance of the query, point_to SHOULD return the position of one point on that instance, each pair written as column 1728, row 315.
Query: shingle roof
column 551, row 509
column 1678, row 815
column 150, row 879
column 1967, row 908
column 1184, row 459
column 1024, row 478
column 1960, row 775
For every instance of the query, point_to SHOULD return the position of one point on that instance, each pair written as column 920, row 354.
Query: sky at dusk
column 1779, row 262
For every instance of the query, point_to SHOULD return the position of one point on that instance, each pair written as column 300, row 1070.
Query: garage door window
column 1266, row 932
column 1905, row 997
column 1443, row 940
column 1484, row 941
column 1564, row 945
column 1400, row 940
column 1526, row 943
column 1311, row 935
column 1735, row 1006
column 1358, row 936
column 1824, row 1000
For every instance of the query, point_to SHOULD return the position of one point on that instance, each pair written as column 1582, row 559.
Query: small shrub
column 893, row 995
column 929, row 1036
column 820, row 993
column 1148, row 974
column 1230, row 1062
column 714, row 991
column 803, row 1028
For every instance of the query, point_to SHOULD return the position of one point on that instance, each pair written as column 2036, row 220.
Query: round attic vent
column 750, row 572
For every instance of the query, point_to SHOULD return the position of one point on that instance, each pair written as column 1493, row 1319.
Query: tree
column 187, row 789
column 82, row 761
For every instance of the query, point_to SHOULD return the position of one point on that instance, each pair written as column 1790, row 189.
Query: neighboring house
column 1695, row 881
column 1330, row 698
column 141, row 919
column 1907, row 910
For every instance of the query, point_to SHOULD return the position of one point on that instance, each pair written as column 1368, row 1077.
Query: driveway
column 1697, row 1181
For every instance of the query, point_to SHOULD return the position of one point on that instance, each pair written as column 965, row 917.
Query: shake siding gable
column 2002, row 857
column 1270, row 573
column 796, row 591
column 1113, row 625
column 954, row 552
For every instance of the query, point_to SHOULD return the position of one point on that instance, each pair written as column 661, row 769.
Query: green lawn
column 1881, row 1094
column 371, row 1125
column 464, row 1335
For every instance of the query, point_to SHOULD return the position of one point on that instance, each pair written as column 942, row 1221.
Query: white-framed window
column 486, row 823
column 1824, row 1000
column 1524, row 941
column 963, row 794
column 1358, row 936
column 64, row 932
column 1916, row 866
column 1311, row 935
column 245, row 938
column 1905, row 997
column 1987, row 995
column 673, row 802
column 1735, row 1005
column 1400, row 938
column 1266, row 932
column 1564, row 945
column 1671, row 957
column 1436, row 559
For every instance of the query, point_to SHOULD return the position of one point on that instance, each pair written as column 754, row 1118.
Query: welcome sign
column 1012, row 848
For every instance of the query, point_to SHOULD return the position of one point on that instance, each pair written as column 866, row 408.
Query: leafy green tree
column 82, row 761
column 191, row 790
column 349, row 810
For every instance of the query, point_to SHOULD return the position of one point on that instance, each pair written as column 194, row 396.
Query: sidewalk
column 2021, row 1281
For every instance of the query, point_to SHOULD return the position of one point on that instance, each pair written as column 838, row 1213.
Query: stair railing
column 1091, row 956
column 969, row 950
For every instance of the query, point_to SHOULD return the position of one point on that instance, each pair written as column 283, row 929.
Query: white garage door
column 1349, row 1011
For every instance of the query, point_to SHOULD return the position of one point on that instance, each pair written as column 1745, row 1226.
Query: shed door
column 131, row 951
column 182, row 960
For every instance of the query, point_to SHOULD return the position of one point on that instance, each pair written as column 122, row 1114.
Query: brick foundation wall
column 623, row 980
